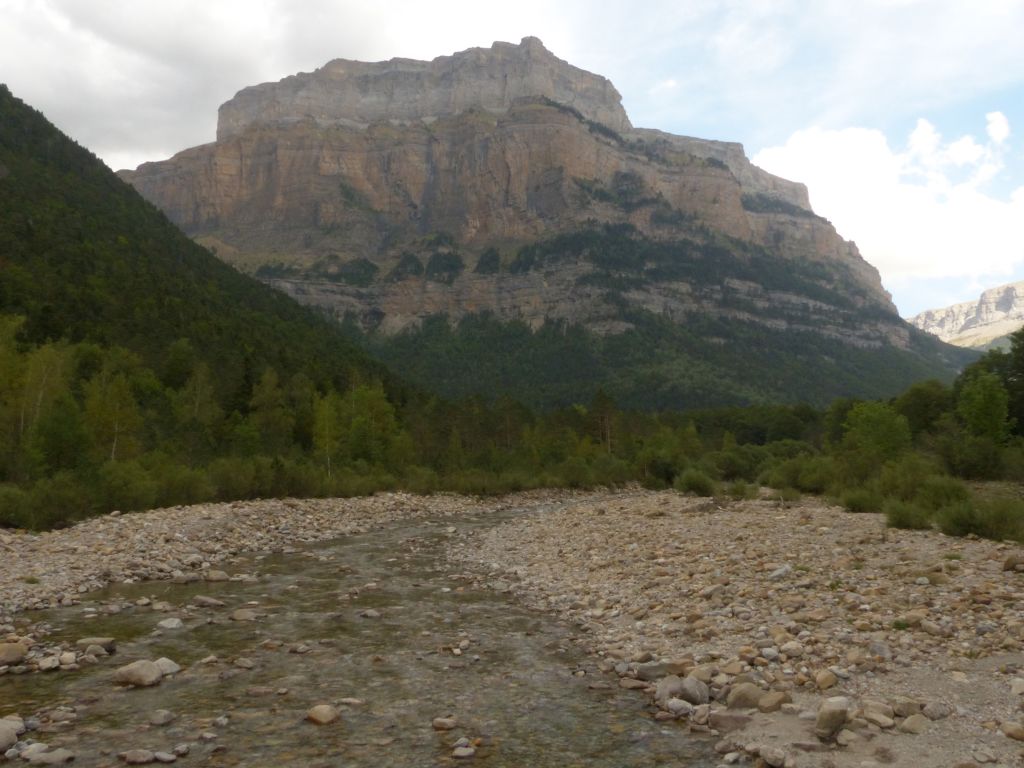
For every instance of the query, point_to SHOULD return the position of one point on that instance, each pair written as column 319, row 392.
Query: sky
column 905, row 118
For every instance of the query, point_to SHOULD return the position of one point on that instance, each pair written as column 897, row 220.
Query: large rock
column 142, row 673
column 693, row 691
column 167, row 666
column 322, row 714
column 726, row 722
column 744, row 696
column 832, row 716
column 108, row 644
column 12, row 653
column 916, row 723
column 8, row 735
column 51, row 757
column 669, row 687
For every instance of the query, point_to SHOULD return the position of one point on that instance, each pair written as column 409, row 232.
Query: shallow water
column 521, row 689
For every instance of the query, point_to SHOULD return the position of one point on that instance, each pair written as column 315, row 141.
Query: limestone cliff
column 401, row 189
column 357, row 94
column 998, row 313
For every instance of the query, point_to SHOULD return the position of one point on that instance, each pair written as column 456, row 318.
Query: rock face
column 977, row 324
column 357, row 94
column 492, row 181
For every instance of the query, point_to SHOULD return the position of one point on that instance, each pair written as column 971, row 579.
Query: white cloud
column 664, row 86
column 998, row 127
column 920, row 212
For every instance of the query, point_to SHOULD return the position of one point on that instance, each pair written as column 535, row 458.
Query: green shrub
column 959, row 519
column 865, row 499
column 489, row 262
column 804, row 472
column 444, row 267
column 521, row 480
column 348, row 483
column 906, row 514
column 575, row 473
column 58, row 501
column 177, row 484
column 740, row 462
column 15, row 511
column 816, row 474
column 408, row 266
column 787, row 495
column 785, row 474
column 997, row 519
column 1013, row 461
column 695, row 481
column 474, row 482
column 127, row 486
column 974, row 457
column 233, row 477
column 421, row 480
column 610, row 470
column 903, row 477
column 740, row 490
column 939, row 491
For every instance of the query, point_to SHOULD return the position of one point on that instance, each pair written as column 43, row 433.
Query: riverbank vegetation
column 87, row 429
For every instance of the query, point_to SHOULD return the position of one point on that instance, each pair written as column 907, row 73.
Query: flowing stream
column 375, row 624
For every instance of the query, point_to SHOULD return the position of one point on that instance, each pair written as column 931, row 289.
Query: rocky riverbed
column 620, row 629
column 800, row 634
column 300, row 633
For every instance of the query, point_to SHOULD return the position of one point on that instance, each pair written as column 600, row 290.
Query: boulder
column 322, row 714
column 744, row 696
column 12, row 653
column 832, row 716
column 693, row 691
column 726, row 722
column 142, row 673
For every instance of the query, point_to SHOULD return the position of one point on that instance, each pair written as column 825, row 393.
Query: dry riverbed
column 803, row 635
column 794, row 635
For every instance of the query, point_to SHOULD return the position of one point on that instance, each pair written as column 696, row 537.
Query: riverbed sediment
column 746, row 617
column 794, row 634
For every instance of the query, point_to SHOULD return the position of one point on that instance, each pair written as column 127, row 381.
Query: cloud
column 998, row 127
column 920, row 212
column 138, row 80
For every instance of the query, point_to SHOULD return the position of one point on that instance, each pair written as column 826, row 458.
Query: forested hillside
column 84, row 258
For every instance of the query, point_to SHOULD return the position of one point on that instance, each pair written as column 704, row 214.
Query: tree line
column 86, row 429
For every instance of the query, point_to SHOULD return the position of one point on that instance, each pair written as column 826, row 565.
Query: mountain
column 83, row 257
column 982, row 324
column 498, row 208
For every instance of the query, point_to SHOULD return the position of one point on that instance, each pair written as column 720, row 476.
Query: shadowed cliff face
column 402, row 189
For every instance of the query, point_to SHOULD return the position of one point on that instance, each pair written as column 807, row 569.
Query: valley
column 504, row 185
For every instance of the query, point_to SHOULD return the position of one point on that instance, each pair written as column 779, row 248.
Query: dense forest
column 656, row 365
column 89, row 429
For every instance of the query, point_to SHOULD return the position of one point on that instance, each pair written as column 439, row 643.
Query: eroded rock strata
column 327, row 179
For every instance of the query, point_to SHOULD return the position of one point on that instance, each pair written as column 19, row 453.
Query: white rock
column 142, row 673
column 168, row 667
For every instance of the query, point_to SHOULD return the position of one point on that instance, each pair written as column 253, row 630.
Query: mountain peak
column 357, row 94
column 997, row 313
